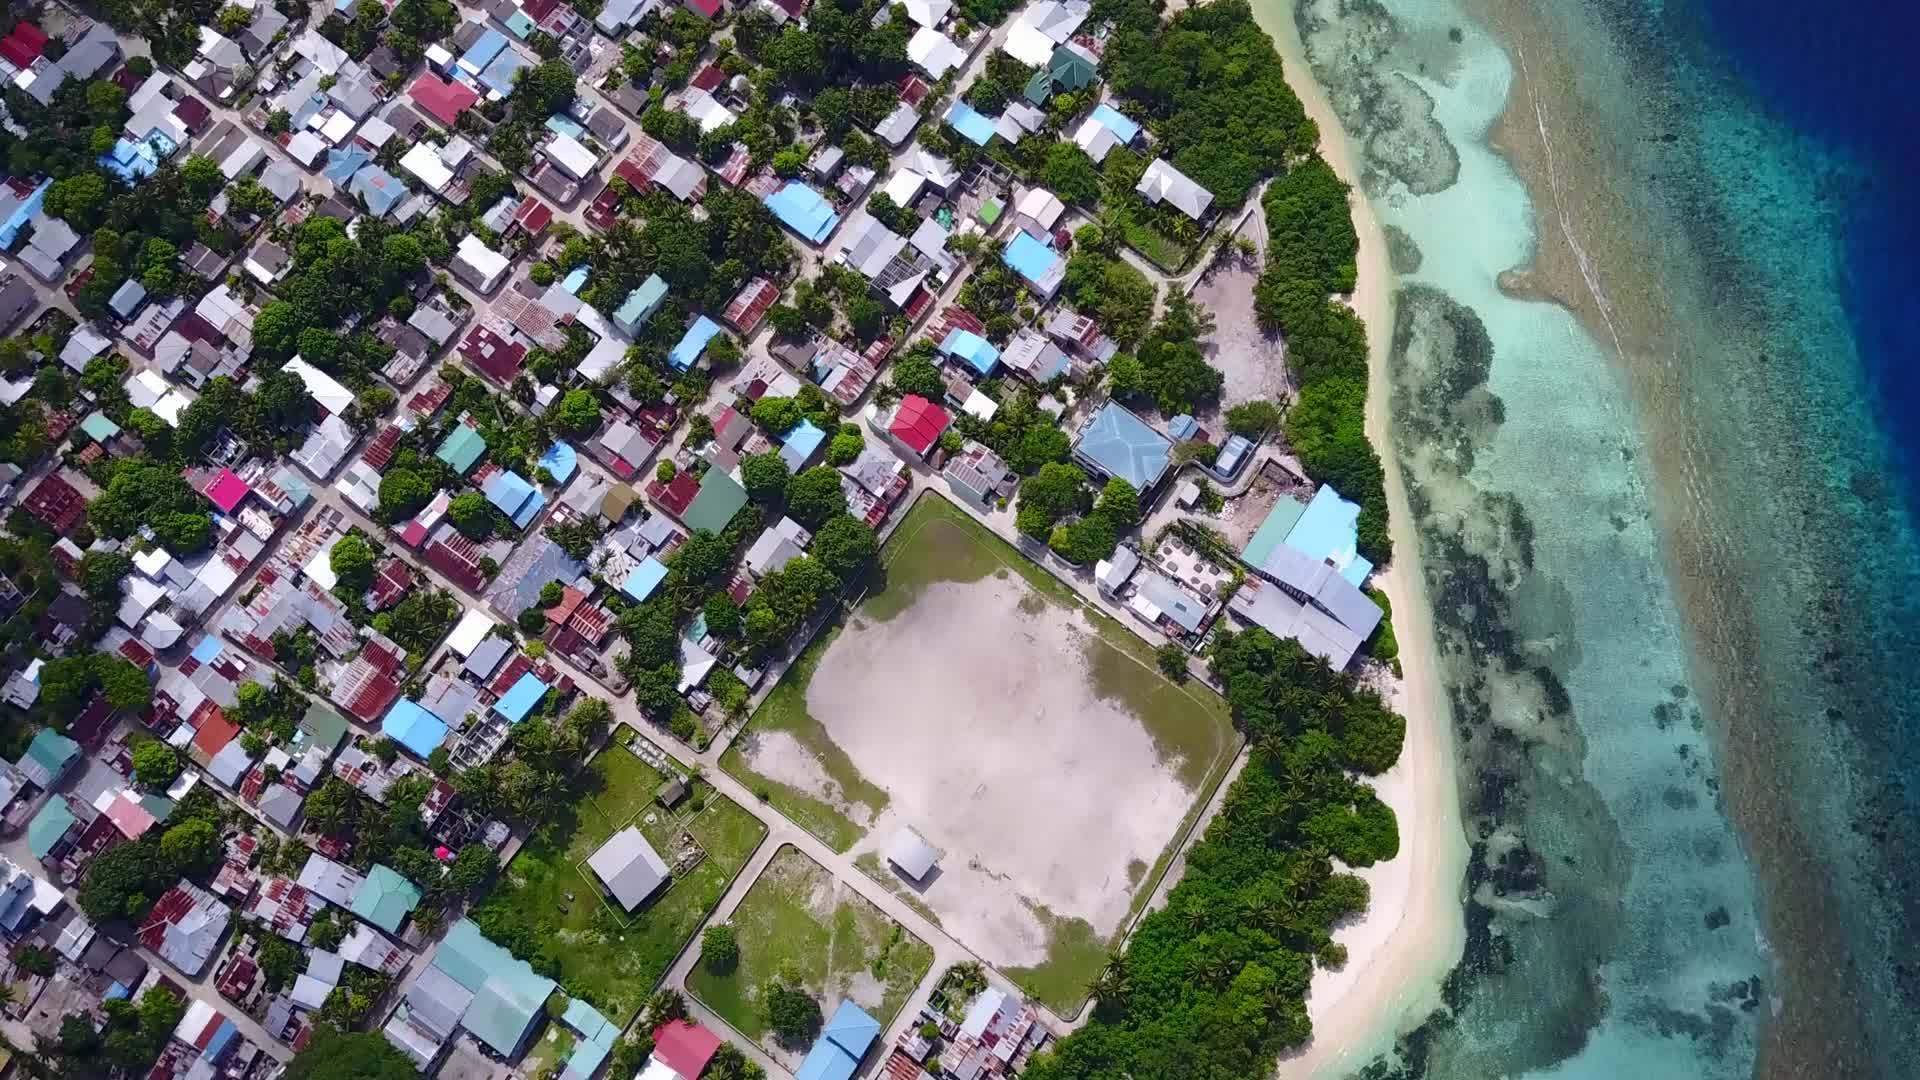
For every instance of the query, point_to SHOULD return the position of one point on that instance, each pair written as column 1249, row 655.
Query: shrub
column 719, row 949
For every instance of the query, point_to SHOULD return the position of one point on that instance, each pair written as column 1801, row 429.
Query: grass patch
column 1075, row 956
column 870, row 865
column 798, row 918
column 549, row 910
column 1160, row 249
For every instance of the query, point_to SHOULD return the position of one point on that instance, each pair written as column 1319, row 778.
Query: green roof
column 1071, row 70
column 462, row 448
column 507, row 993
column 721, row 497
column 323, row 725
column 989, row 211
column 51, row 751
column 48, row 826
column 98, row 427
column 386, row 898
column 1280, row 521
column 1040, row 88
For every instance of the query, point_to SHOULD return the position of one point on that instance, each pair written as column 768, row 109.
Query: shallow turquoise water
column 1618, row 926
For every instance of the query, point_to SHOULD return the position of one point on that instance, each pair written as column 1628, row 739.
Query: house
column 442, row 99
column 800, row 444
column 1103, row 129
column 185, row 926
column 57, row 503
column 618, row 15
column 411, row 725
column 1116, row 443
column 684, row 1047
column 385, row 899
column 777, row 546
column 972, row 126
column 977, row 474
column 1031, row 356
column 1041, row 27
column 513, row 495
column 934, row 52
column 1164, row 183
column 1326, row 529
column 910, row 854
column 720, row 497
column 1162, row 602
column 897, row 126
column 84, row 57
column 803, row 210
column 1041, row 266
column 1082, row 335
column 686, row 353
column 914, row 425
column 47, row 758
column 747, row 308
column 17, row 298
column 970, row 349
column 481, row 267
column 629, row 867
column 842, row 1043
column 471, row 984
column 326, row 391
column 640, row 304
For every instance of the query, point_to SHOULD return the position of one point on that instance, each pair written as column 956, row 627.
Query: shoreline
column 1413, row 931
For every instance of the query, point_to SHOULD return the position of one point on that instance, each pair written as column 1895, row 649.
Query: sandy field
column 1253, row 362
column 974, row 709
column 1414, row 929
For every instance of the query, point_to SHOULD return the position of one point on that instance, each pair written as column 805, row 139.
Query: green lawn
column 548, row 909
column 797, row 916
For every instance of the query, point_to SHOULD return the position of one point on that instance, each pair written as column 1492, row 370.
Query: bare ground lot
column 1253, row 362
column 1028, row 738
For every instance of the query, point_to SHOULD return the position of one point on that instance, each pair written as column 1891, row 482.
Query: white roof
column 706, row 109
column 1163, row 182
column 423, row 161
column 911, row 854
column 146, row 388
column 928, row 12
column 170, row 407
column 471, row 631
column 321, row 386
column 904, row 186
column 305, row 147
column 1028, row 44
column 936, row 53
column 338, row 127
column 980, row 405
column 629, row 867
column 485, row 261
column 1042, row 206
column 320, row 567
column 1096, row 138
column 577, row 161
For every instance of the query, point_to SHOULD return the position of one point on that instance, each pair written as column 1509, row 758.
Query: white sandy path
column 1413, row 931
column 1050, row 793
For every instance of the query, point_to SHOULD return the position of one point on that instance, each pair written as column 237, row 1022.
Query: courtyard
column 548, row 904
column 1029, row 738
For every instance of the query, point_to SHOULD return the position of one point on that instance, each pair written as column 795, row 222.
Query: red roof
column 31, row 34
column 675, row 497
column 570, row 599
column 748, row 308
column 913, row 90
column 17, row 54
column 494, row 356
column 214, row 732
column 538, row 9
column 442, row 100
column 380, row 451
column 193, row 112
column 708, row 78
column 57, row 503
column 917, row 423
column 395, row 576
column 428, row 401
column 227, row 490
column 684, row 1046
column 24, row 45
column 533, row 215
column 709, row 8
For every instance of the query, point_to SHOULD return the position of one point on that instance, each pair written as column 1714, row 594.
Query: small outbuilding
column 629, row 867
column 910, row 854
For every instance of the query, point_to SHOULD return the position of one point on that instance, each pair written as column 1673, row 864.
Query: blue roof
column 137, row 159
column 563, row 124
column 207, row 650
column 508, row 490
column 693, row 343
column 573, row 282
column 645, row 578
column 484, row 49
column 968, row 122
column 1232, row 452
column 1330, row 530
column 586, row 1058
column 499, row 74
column 10, row 230
column 380, row 188
column 1030, row 258
column 842, row 1043
column 412, row 726
column 1117, row 122
column 971, row 347
column 642, row 302
column 804, row 439
column 1182, row 426
column 801, row 209
column 342, row 164
column 220, row 1041
column 521, row 699
column 560, row 460
column 1121, row 444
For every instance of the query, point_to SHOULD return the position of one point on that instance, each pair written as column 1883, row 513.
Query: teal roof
column 587, row 1021
column 1329, row 531
column 51, row 751
column 721, row 497
column 508, row 995
column 98, row 427
column 1118, row 443
column 385, row 898
column 1273, row 530
column 461, row 448
column 323, row 726
column 48, row 826
column 642, row 302
column 841, row 1045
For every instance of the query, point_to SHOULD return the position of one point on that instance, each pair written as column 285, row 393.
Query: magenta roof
column 227, row 490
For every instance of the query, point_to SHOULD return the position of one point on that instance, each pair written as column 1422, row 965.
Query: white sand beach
column 1413, row 929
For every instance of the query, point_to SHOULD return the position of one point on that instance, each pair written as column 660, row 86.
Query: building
column 686, row 353
column 1103, row 129
column 910, row 854
column 914, row 425
column 185, row 927
column 1116, row 443
column 481, row 267
column 1040, row 265
column 1164, row 183
column 1165, row 604
column 470, row 985
column 684, row 1047
column 629, row 867
column 803, row 210
column 842, row 1043
column 385, row 899
column 977, row 474
column 47, row 758
column 640, row 305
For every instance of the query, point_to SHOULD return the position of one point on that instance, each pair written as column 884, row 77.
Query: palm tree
column 1111, row 986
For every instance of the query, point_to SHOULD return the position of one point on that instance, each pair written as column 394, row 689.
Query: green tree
column 472, row 514
column 1253, row 419
column 403, row 493
column 778, row 415
column 1172, row 659
column 472, row 868
column 155, row 764
column 124, row 685
column 764, row 475
column 844, row 546
column 914, row 373
column 1119, row 503
column 191, row 847
column 352, row 561
column 578, row 412
column 847, row 445
column 722, row 614
column 363, row 1055
column 122, row 881
column 1085, row 541
column 80, row 199
column 1047, row 496
column 815, row 496
column 1071, row 174
column 719, row 949
column 793, row 1013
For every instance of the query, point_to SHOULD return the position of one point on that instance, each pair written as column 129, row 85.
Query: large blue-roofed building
column 842, row 1043
column 694, row 342
column 522, row 698
column 975, row 351
column 971, row 125
column 801, row 209
column 515, row 496
column 412, row 726
column 1118, row 443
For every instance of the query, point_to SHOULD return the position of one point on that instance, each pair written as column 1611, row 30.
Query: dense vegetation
column 1214, row 983
column 1310, row 255
column 365, row 1055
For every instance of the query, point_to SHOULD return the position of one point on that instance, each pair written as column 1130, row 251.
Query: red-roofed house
column 458, row 558
column 226, row 490
column 913, row 90
column 685, row 1047
column 915, row 425
column 22, row 47
column 441, row 99
column 676, row 496
column 708, row 8
column 748, row 308
column 193, row 113
column 492, row 355
column 380, row 451
column 429, row 401
column 710, row 77
column 212, row 731
column 57, row 503
column 389, row 585
column 532, row 217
